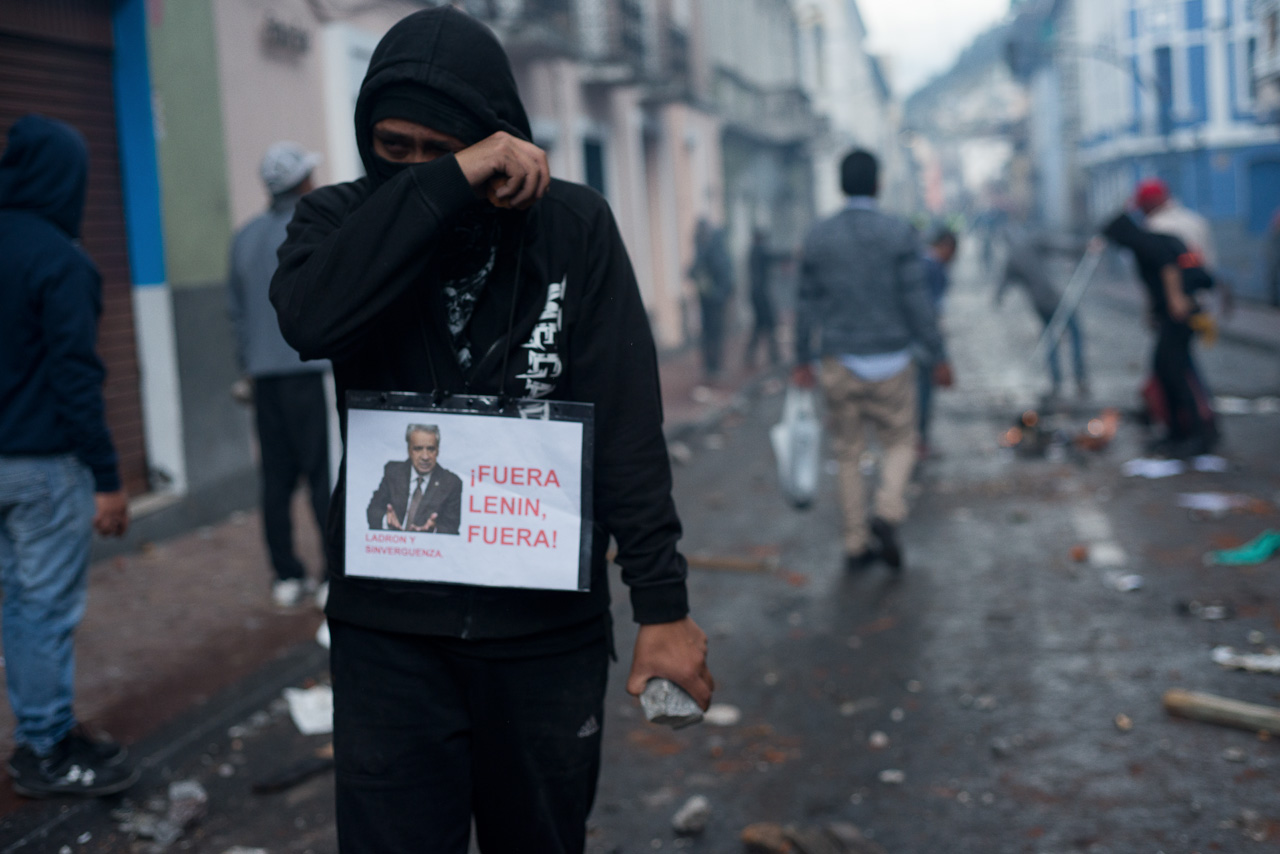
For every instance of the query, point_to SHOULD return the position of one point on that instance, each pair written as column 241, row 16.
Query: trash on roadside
column 1213, row 709
column 849, row 708
column 732, row 563
column 311, row 709
column 691, row 819
column 834, row 838
column 1256, row 551
column 1210, row 612
column 1152, row 468
column 1124, row 582
column 666, row 703
column 1234, row 754
column 1100, row 431
column 893, row 777
column 1079, row 553
column 1210, row 463
column 1124, row 723
column 1231, row 405
column 1215, row 505
column 1027, row 436
column 1103, row 555
column 722, row 714
column 186, row 805
column 878, row 740
column 1267, row 661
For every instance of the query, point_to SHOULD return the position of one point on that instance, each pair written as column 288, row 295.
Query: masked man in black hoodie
column 432, row 274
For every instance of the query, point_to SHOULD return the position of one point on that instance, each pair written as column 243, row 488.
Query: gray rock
column 691, row 819
column 665, row 702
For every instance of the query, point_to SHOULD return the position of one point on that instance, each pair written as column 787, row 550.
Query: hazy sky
column 923, row 37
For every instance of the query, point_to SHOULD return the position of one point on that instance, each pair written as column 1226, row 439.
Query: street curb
column 188, row 731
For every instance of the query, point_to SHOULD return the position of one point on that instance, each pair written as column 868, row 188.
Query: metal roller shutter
column 55, row 59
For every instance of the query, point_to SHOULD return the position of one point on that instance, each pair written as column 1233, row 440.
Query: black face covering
column 384, row 170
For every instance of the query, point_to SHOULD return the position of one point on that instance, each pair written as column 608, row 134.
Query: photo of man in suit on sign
column 417, row 494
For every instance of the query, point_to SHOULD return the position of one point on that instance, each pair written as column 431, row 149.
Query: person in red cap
column 1165, row 215
column 1173, row 275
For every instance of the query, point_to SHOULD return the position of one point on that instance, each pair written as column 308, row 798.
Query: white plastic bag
column 797, row 444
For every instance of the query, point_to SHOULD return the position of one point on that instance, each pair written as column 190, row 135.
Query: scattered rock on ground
column 691, row 819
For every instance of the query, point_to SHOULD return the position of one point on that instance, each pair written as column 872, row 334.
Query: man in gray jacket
column 863, row 289
column 288, row 393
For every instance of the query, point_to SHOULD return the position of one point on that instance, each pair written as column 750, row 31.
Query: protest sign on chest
column 468, row 492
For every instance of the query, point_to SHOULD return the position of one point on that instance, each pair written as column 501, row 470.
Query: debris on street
column 893, row 777
column 163, row 822
column 1124, row 582
column 1231, row 405
column 1100, row 431
column 835, row 838
column 1215, row 505
column 691, row 819
column 1107, row 554
column 1210, row 463
column 1209, row 612
column 1222, row 710
column 1153, row 469
column 730, row 563
column 1256, row 551
column 722, row 714
column 1267, row 661
column 1124, row 723
column 311, row 709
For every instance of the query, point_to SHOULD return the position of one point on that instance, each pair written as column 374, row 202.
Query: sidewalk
column 170, row 627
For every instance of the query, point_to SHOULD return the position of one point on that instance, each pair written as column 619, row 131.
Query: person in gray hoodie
column 863, row 290
column 290, row 412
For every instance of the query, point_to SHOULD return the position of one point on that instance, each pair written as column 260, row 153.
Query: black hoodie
column 359, row 284
column 1153, row 252
column 50, row 301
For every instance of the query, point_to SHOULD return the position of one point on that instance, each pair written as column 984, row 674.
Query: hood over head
column 461, row 70
column 44, row 171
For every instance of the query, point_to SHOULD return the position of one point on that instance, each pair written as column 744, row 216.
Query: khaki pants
column 890, row 407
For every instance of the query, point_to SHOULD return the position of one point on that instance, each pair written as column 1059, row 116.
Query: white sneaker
column 287, row 593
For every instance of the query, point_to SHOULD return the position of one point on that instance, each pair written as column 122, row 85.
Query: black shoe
column 860, row 561
column 77, row 766
column 889, row 548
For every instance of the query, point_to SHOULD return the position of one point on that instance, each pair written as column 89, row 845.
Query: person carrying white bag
column 863, row 289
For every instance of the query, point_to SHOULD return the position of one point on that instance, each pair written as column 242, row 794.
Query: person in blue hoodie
column 58, row 476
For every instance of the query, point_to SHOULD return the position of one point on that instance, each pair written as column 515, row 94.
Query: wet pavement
column 1002, row 696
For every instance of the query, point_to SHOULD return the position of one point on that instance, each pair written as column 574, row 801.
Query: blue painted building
column 1166, row 89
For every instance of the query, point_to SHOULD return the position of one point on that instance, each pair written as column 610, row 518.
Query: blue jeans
column 924, row 396
column 1077, row 354
column 46, row 526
